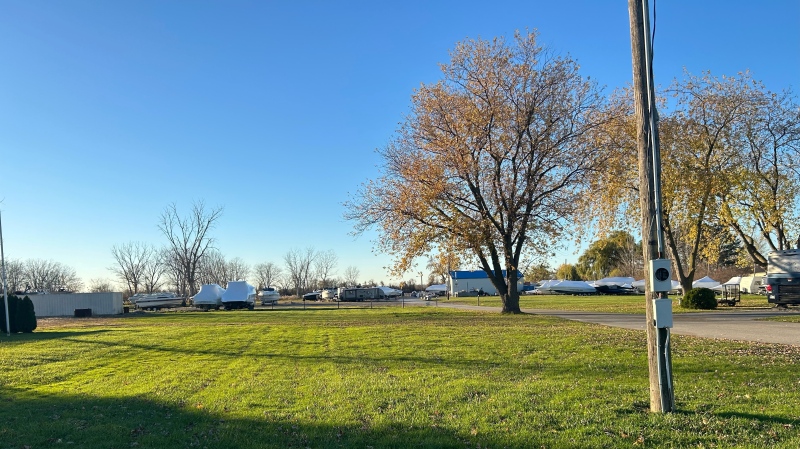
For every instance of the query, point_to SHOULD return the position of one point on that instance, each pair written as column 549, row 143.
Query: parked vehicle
column 329, row 294
column 783, row 277
column 269, row 296
column 360, row 294
column 209, row 297
column 239, row 295
column 313, row 296
column 156, row 301
column 390, row 292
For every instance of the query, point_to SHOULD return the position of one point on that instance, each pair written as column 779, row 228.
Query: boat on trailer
column 239, row 295
column 269, row 296
column 209, row 297
column 155, row 301
column 573, row 288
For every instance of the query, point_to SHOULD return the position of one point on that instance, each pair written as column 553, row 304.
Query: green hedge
column 22, row 313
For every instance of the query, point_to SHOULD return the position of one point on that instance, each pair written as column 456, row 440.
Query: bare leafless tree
column 325, row 267
column 39, row 274
column 298, row 267
column 237, row 269
column 155, row 269
column 173, row 270
column 351, row 274
column 100, row 286
column 189, row 239
column 47, row 275
column 213, row 269
column 132, row 260
column 15, row 275
column 267, row 274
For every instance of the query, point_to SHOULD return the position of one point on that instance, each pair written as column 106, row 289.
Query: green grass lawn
column 413, row 377
column 601, row 303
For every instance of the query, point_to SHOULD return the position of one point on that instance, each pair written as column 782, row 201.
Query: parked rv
column 783, row 277
column 361, row 294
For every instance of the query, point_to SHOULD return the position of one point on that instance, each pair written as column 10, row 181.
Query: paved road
column 741, row 324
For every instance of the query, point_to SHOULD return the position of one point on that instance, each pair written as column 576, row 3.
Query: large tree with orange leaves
column 488, row 164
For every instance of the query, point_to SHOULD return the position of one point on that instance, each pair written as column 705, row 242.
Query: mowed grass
column 602, row 303
column 399, row 378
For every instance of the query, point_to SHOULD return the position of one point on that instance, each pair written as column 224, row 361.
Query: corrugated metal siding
column 65, row 304
column 476, row 274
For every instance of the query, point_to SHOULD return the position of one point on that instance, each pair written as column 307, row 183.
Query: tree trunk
column 511, row 298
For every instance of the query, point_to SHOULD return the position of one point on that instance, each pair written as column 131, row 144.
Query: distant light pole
column 420, row 279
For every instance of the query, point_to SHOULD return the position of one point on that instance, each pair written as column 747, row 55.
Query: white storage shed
column 64, row 304
column 476, row 280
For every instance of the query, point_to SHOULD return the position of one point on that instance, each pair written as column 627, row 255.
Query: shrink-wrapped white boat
column 269, row 296
column 239, row 295
column 209, row 297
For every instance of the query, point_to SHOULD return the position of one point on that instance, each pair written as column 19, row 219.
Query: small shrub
column 699, row 298
column 26, row 316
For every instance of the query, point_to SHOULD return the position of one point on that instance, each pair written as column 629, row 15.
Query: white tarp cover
column 705, row 282
column 544, row 286
column 639, row 285
column 390, row 292
column 572, row 287
column 736, row 280
column 209, row 294
column 437, row 288
column 239, row 291
column 620, row 281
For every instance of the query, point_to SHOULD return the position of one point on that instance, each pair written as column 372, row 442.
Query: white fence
column 65, row 304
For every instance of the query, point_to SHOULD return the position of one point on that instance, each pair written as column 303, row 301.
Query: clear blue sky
column 111, row 110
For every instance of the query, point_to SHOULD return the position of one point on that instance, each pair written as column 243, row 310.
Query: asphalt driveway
column 736, row 324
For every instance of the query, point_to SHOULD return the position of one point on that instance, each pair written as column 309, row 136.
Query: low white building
column 64, row 304
column 476, row 280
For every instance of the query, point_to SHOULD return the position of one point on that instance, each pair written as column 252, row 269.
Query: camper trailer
column 361, row 294
column 783, row 277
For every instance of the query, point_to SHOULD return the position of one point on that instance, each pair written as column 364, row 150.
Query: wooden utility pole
column 649, row 174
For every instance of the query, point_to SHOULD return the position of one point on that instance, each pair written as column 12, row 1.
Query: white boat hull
column 159, row 303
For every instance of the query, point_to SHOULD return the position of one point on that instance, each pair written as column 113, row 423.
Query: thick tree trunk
column 510, row 304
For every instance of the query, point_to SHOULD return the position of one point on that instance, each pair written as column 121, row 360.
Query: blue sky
column 110, row 111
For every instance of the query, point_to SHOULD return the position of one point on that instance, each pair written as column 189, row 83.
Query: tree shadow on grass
column 42, row 336
column 265, row 352
column 35, row 420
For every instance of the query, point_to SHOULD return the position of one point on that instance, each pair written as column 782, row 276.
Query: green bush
column 21, row 312
column 26, row 316
column 699, row 298
column 13, row 303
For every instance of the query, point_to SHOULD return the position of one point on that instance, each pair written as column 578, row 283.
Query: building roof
column 476, row 274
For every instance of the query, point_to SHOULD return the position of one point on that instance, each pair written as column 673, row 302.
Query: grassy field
column 601, row 303
column 413, row 377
